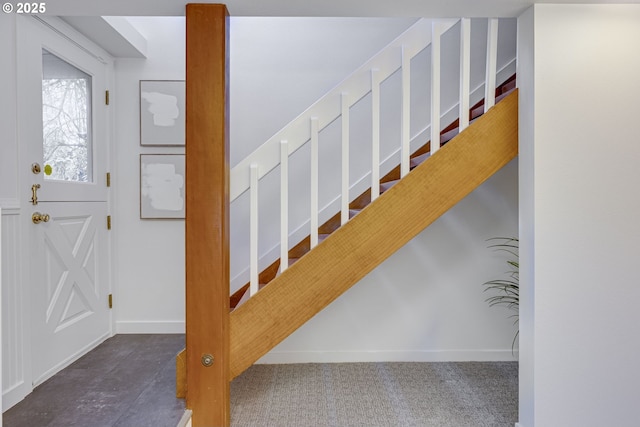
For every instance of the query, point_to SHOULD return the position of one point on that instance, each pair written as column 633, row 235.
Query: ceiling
column 102, row 22
column 347, row 8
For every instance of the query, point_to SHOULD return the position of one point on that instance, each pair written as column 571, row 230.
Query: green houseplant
column 506, row 291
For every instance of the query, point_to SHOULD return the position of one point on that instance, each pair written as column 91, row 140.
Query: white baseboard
column 276, row 357
column 150, row 327
column 15, row 394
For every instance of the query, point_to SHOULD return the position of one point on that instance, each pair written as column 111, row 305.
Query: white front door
column 62, row 121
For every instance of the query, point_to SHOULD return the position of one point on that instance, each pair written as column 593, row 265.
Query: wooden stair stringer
column 356, row 248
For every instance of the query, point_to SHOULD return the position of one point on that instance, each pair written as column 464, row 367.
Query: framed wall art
column 162, row 112
column 162, row 179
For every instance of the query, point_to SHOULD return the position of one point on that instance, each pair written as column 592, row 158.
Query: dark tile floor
column 128, row 381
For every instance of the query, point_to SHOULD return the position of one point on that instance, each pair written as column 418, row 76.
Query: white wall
column 15, row 382
column 293, row 62
column 9, row 147
column 280, row 66
column 584, row 227
column 149, row 264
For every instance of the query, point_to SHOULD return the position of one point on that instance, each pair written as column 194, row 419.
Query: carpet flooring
column 129, row 381
column 470, row 394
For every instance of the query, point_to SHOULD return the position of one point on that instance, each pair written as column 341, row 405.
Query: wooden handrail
column 207, row 214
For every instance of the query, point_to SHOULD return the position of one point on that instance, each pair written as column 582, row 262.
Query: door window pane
column 66, row 119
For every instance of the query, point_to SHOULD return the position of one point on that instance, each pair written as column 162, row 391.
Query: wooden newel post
column 207, row 217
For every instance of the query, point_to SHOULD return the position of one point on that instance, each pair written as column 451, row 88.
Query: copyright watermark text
column 25, row 8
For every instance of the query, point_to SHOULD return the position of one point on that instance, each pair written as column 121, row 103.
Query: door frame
column 59, row 29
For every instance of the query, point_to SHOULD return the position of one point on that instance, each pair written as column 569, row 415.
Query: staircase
column 364, row 199
column 347, row 254
column 371, row 227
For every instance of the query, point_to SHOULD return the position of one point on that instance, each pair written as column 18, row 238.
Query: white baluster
column 344, row 211
column 465, row 71
column 284, row 205
column 375, row 137
column 314, row 182
column 492, row 59
column 405, row 151
column 253, row 231
column 435, row 86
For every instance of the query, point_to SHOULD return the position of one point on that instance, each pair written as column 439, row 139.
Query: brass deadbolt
column 207, row 360
column 35, row 168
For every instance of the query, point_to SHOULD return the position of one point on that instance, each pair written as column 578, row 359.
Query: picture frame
column 162, row 186
column 162, row 113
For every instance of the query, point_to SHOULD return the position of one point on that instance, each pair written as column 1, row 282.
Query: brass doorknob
column 37, row 217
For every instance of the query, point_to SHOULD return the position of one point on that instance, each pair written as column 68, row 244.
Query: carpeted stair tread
column 387, row 185
column 448, row 136
column 419, row 159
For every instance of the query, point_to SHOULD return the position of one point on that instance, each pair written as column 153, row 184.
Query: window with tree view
column 66, row 120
